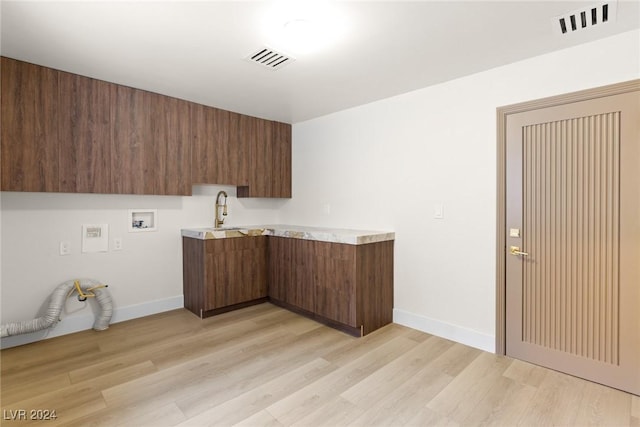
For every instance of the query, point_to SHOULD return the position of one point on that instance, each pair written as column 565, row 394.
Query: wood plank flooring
column 265, row 366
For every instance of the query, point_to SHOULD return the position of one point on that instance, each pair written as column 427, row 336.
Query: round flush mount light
column 302, row 27
column 303, row 35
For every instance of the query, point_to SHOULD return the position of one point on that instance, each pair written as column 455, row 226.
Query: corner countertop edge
column 322, row 234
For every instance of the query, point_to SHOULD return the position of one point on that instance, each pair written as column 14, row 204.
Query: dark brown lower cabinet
column 291, row 272
column 349, row 287
column 223, row 274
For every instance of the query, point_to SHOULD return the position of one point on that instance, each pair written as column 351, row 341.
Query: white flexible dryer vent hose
column 58, row 298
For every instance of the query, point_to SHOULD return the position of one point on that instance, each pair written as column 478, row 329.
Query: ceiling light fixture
column 303, row 35
column 302, row 27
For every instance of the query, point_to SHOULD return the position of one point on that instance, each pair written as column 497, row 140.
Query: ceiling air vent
column 269, row 58
column 585, row 18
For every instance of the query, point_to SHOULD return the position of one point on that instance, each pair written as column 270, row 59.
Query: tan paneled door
column 573, row 239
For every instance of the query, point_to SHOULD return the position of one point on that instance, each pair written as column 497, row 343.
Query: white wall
column 380, row 166
column 144, row 278
column 385, row 165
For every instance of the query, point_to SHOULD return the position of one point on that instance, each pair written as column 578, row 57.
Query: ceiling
column 196, row 50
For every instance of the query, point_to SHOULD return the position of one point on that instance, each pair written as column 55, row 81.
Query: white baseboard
column 445, row 330
column 84, row 322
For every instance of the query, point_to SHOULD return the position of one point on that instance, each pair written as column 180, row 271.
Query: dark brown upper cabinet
column 130, row 153
column 151, row 143
column 234, row 149
column 30, row 146
column 240, row 133
column 270, row 160
column 220, row 147
column 62, row 132
column 84, row 134
column 172, row 125
column 281, row 160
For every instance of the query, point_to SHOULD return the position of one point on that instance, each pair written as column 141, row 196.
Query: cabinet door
column 260, row 159
column 335, row 282
column 270, row 161
column 291, row 272
column 242, row 130
column 170, row 138
column 210, row 145
column 220, row 146
column 280, row 267
column 150, row 152
column 130, row 154
column 301, row 292
column 84, row 130
column 236, row 271
column 29, row 127
column 281, row 160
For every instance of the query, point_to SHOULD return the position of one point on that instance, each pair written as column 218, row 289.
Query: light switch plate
column 438, row 211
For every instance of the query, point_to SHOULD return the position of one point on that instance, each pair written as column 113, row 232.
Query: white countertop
column 332, row 235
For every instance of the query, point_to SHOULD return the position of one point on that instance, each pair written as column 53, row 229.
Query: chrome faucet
column 220, row 221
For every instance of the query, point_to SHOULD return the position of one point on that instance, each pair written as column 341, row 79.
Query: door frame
column 501, row 224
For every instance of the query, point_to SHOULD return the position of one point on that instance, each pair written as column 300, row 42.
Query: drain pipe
column 57, row 300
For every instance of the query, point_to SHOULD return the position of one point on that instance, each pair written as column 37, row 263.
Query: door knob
column 515, row 250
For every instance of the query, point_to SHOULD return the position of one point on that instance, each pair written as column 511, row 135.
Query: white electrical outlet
column 117, row 244
column 65, row 248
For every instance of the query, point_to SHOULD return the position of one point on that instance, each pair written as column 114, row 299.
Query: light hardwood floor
column 265, row 366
